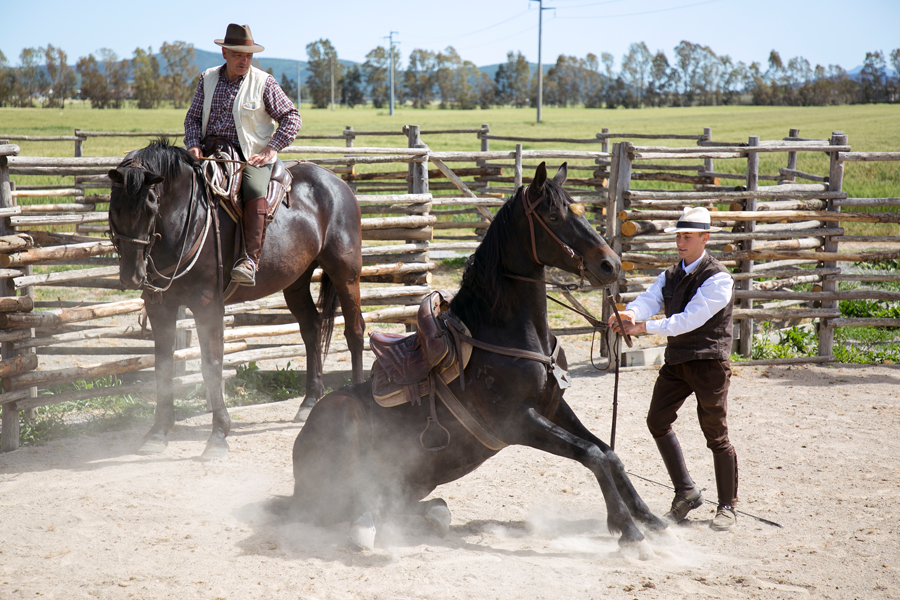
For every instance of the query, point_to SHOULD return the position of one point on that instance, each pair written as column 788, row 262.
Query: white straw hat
column 694, row 219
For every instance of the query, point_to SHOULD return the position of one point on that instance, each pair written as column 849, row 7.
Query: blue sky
column 823, row 31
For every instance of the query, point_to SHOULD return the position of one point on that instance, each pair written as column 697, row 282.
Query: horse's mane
column 160, row 157
column 483, row 296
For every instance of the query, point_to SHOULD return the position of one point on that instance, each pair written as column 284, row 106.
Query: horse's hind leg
column 210, row 333
column 300, row 303
column 345, row 278
column 162, row 319
column 565, row 417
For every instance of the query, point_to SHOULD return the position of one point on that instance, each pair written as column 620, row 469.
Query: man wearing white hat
column 697, row 295
column 246, row 106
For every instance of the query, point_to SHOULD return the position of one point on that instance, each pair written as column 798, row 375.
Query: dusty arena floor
column 819, row 451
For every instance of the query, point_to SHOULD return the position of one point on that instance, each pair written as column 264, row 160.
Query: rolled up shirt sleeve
column 280, row 108
column 714, row 295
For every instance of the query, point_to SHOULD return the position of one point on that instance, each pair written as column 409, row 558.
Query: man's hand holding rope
column 631, row 328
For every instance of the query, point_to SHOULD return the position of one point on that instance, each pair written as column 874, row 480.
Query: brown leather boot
column 687, row 495
column 254, row 227
column 725, row 464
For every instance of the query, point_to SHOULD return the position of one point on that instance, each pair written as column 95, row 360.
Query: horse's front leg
column 162, row 319
column 210, row 332
column 566, row 418
column 529, row 428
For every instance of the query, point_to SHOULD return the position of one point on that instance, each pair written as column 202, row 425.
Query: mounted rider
column 246, row 106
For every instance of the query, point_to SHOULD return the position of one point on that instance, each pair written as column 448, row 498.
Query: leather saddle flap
column 403, row 363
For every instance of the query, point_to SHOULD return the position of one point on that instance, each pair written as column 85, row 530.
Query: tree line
column 695, row 75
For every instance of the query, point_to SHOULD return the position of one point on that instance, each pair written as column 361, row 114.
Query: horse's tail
column 328, row 300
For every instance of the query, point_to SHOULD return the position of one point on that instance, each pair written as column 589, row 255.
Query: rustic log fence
column 777, row 233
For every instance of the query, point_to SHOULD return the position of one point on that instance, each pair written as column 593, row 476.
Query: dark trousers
column 708, row 380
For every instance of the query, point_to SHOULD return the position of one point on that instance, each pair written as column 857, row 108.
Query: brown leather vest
column 713, row 339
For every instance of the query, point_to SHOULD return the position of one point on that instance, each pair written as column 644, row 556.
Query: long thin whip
column 740, row 512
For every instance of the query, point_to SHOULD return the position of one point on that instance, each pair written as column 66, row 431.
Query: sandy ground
column 819, row 451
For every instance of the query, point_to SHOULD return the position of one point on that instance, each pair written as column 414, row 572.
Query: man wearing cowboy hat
column 697, row 295
column 246, row 106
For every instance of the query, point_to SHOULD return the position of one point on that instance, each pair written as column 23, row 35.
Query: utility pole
column 540, row 71
column 298, row 85
column 332, row 83
column 391, row 52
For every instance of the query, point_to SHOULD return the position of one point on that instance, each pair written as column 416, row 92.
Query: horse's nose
column 130, row 281
column 610, row 266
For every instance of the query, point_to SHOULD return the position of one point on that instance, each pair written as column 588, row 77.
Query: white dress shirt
column 711, row 297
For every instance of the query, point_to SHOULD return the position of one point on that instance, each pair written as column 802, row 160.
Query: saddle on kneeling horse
column 224, row 177
column 410, row 367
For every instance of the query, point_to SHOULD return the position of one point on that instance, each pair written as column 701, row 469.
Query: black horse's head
column 134, row 203
column 133, row 210
column 560, row 235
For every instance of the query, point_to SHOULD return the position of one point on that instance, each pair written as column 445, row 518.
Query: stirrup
column 244, row 272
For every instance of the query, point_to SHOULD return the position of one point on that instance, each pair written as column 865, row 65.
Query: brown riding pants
column 708, row 380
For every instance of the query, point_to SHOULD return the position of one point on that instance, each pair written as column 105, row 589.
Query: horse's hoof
column 304, row 411
column 152, row 446
column 439, row 519
column 641, row 550
column 213, row 452
column 362, row 533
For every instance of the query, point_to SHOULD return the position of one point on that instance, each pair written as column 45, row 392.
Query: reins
column 192, row 255
column 612, row 349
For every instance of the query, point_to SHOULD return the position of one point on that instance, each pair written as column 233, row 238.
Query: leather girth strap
column 467, row 419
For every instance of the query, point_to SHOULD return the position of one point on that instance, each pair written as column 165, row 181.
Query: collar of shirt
column 693, row 265
column 223, row 76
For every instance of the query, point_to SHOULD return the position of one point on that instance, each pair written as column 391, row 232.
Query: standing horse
column 354, row 459
column 162, row 221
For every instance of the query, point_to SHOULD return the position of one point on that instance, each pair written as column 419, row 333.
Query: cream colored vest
column 253, row 124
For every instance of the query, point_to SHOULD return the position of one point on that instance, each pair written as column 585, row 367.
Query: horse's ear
column 540, row 176
column 116, row 176
column 560, row 177
column 150, row 177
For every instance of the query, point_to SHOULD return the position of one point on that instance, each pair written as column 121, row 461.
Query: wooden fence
column 778, row 232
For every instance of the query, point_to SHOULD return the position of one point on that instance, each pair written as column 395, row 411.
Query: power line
column 462, row 35
column 647, row 12
column 532, row 28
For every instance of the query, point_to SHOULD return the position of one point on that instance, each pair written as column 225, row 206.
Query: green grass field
column 869, row 127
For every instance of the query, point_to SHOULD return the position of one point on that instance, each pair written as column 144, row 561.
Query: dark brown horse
column 354, row 460
column 159, row 211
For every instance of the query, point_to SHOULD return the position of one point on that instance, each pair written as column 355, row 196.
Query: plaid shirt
column 221, row 115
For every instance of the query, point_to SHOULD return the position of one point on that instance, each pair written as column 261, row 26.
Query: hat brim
column 677, row 229
column 243, row 49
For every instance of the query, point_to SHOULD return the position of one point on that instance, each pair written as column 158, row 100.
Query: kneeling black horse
column 355, row 460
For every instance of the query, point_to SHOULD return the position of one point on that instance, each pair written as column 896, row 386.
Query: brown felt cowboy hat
column 239, row 39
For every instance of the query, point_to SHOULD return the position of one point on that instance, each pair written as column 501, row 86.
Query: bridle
column 532, row 215
column 184, row 255
column 612, row 348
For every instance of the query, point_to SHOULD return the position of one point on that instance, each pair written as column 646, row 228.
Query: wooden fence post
column 746, row 335
column 517, row 177
column 792, row 156
column 10, row 413
column 604, row 142
column 418, row 176
column 708, row 162
column 349, row 135
column 829, row 284
column 79, row 144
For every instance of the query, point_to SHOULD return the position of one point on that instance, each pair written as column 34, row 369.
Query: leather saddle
column 422, row 364
column 224, row 179
column 405, row 363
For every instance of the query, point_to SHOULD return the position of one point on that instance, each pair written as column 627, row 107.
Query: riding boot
column 254, row 227
column 687, row 495
column 725, row 464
